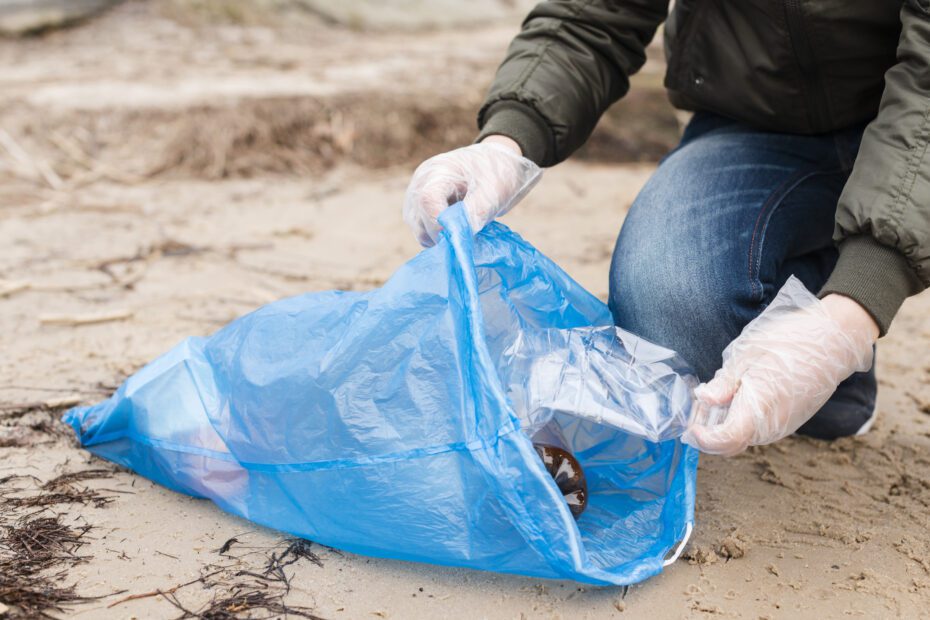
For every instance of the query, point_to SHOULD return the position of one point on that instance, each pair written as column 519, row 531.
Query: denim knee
column 665, row 294
column 724, row 219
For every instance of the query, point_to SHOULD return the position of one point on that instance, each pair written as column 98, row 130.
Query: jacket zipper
column 811, row 83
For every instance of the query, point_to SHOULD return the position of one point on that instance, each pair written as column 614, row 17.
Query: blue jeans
column 727, row 217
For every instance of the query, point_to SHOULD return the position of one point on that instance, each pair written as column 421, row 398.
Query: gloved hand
column 489, row 177
column 780, row 370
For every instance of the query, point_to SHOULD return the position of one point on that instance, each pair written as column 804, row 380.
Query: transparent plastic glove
column 489, row 178
column 777, row 374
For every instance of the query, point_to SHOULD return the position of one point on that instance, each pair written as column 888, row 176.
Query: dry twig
column 21, row 156
column 85, row 319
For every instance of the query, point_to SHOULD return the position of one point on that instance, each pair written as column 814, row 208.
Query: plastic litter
column 379, row 422
column 602, row 374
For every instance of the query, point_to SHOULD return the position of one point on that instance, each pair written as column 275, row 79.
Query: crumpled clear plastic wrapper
column 604, row 375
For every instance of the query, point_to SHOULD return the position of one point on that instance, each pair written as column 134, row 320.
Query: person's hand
column 780, row 370
column 490, row 178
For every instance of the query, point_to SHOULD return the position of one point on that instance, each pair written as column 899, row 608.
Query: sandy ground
column 802, row 529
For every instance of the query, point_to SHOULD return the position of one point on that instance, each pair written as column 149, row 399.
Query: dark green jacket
column 799, row 66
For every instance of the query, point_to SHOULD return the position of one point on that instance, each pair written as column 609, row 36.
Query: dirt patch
column 201, row 89
column 641, row 127
column 296, row 136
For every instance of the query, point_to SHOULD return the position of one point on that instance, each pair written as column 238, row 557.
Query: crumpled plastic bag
column 602, row 374
column 378, row 423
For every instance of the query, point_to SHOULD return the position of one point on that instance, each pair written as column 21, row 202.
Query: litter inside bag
column 388, row 423
column 602, row 374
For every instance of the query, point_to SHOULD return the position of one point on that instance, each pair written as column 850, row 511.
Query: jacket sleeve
column 883, row 215
column 572, row 59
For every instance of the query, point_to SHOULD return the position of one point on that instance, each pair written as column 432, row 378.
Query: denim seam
column 762, row 220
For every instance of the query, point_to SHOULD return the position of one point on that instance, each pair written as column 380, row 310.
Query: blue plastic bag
column 377, row 423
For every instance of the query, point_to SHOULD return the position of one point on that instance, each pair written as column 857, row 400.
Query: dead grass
column 35, row 554
column 239, row 592
column 37, row 546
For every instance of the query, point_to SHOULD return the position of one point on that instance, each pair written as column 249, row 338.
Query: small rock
column 732, row 547
column 701, row 554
